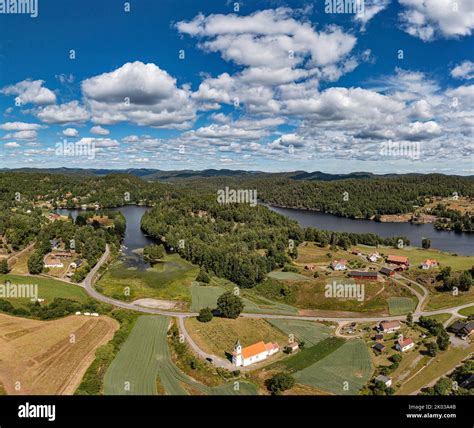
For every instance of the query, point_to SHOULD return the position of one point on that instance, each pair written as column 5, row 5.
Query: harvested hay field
column 49, row 357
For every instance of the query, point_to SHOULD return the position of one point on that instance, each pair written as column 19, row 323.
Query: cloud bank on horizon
column 286, row 87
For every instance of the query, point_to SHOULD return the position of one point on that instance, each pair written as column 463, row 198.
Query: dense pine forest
column 235, row 241
column 362, row 198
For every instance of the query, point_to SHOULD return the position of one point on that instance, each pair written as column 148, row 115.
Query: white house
column 428, row 264
column 339, row 264
column 253, row 354
column 374, row 257
column 53, row 263
column 389, row 326
column 404, row 345
column 383, row 379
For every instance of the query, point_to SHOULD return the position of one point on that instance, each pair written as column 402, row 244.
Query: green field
column 343, row 372
column 467, row 311
column 287, row 276
column 169, row 279
column 401, row 305
column 310, row 332
column 204, row 296
column 442, row 318
column 207, row 295
column 48, row 289
column 307, row 357
column 418, row 255
column 261, row 305
column 145, row 357
column 137, row 362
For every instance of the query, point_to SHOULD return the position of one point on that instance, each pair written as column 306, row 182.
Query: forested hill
column 354, row 198
column 109, row 191
column 150, row 174
column 237, row 241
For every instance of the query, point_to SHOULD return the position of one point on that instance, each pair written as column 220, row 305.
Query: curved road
column 87, row 284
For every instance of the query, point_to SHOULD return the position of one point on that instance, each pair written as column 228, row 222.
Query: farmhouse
column 428, row 264
column 387, row 271
column 373, row 257
column 384, row 380
column 54, row 217
column 379, row 347
column 62, row 254
column 389, row 326
column 339, row 264
column 398, row 260
column 404, row 345
column 76, row 264
column 370, row 276
column 252, row 354
column 379, row 336
column 462, row 329
column 52, row 262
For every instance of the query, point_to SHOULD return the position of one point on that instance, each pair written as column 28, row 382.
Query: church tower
column 237, row 359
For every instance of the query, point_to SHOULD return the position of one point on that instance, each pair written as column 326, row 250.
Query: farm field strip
column 48, row 289
column 310, row 332
column 307, row 357
column 287, row 276
column 345, row 371
column 400, row 305
column 134, row 369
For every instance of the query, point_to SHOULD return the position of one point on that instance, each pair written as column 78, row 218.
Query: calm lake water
column 459, row 243
column 134, row 237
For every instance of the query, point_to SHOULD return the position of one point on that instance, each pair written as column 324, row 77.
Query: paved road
column 87, row 284
column 217, row 361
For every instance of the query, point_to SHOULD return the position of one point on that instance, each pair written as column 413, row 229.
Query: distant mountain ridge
column 156, row 174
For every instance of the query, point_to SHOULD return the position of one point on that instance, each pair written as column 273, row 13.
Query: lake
column 451, row 242
column 134, row 238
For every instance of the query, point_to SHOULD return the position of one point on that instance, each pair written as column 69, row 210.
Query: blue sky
column 263, row 85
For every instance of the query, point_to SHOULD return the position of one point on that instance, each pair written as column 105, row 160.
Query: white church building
column 252, row 354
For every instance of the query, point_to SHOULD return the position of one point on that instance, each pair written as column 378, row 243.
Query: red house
column 398, row 260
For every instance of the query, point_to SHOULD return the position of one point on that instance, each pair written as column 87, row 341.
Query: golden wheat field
column 49, row 357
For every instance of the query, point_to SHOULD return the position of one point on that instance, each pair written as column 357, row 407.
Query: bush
column 279, row 383
column 203, row 277
column 4, row 269
column 6, row 306
column 230, row 305
column 205, row 315
column 153, row 253
column 35, row 263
